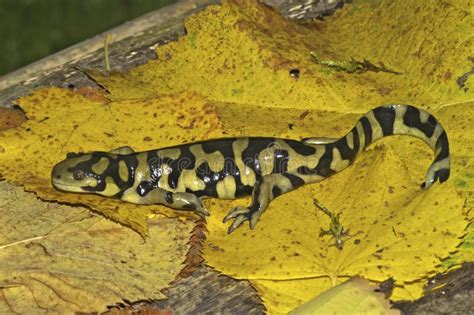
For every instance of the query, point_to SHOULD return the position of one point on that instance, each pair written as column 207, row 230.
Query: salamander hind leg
column 265, row 190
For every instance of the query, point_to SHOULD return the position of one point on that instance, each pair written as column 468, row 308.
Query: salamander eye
column 79, row 175
column 70, row 155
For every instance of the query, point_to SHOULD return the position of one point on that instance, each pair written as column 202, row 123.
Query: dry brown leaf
column 60, row 259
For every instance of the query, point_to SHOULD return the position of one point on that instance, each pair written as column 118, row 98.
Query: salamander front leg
column 265, row 190
column 178, row 200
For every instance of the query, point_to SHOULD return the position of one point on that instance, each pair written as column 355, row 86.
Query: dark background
column 33, row 29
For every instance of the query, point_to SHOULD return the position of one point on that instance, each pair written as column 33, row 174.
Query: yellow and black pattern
column 228, row 168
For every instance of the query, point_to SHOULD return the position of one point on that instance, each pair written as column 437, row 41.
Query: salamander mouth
column 66, row 187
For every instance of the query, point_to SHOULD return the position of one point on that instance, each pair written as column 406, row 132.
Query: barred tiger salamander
column 181, row 176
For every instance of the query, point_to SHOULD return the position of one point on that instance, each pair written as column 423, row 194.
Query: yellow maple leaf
column 60, row 259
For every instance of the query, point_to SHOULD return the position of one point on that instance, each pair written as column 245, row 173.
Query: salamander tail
column 406, row 120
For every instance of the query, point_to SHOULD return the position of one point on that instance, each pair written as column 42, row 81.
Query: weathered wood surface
column 204, row 291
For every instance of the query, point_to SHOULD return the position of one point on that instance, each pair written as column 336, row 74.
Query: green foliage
column 33, row 29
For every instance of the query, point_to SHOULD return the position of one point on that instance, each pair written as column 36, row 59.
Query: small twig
column 336, row 229
column 107, row 40
column 352, row 66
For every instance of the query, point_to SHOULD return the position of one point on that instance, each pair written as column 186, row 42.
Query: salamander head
column 82, row 173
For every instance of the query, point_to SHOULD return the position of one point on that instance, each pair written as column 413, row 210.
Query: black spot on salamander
column 255, row 206
column 367, row 130
column 185, row 161
column 442, row 143
column 224, row 146
column 189, row 206
column 295, row 180
column 197, row 193
column 173, row 178
column 253, row 149
column 346, row 152
column 154, row 162
column 243, row 190
column 442, row 174
column 112, row 171
column 210, row 178
column 385, row 116
column 144, row 188
column 324, row 164
column 276, row 191
column 300, row 147
column 412, row 119
column 304, row 170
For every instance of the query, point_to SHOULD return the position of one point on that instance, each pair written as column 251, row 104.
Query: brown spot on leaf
column 11, row 118
column 93, row 94
column 383, row 91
